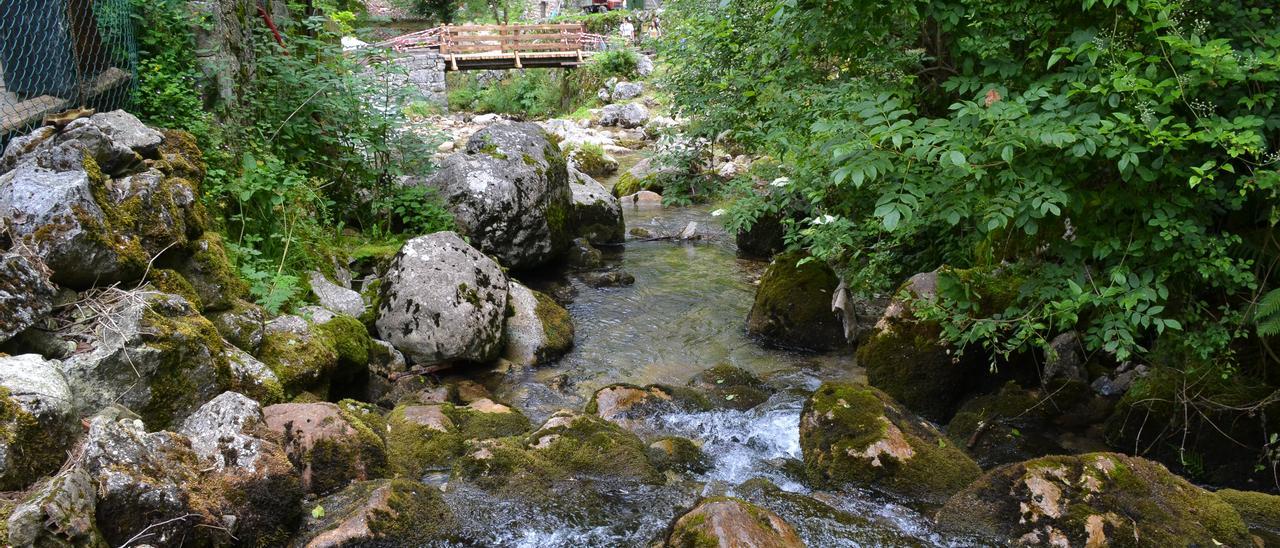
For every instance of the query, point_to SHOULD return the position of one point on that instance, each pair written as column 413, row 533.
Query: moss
column 32, row 449
column 211, row 273
column 678, row 454
column 170, row 281
column 1260, row 511
column 474, row 425
column 364, row 414
column 302, row 363
column 335, row 462
column 181, row 157
column 416, row 514
column 731, row 387
column 629, row 184
column 792, row 307
column 185, row 342
column 855, row 435
column 557, row 327
column 349, row 338
column 1013, row 425
column 371, row 294
column 908, row 362
column 413, row 449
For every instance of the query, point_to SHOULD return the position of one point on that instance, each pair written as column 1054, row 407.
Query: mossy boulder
column 37, row 419
column 1095, row 499
column 642, row 176
column 631, row 406
column 597, row 215
column 677, row 454
column 725, row 521
column 59, row 512
column 154, row 354
column 241, row 325
column 395, row 512
column 1205, row 445
column 323, row 358
column 207, row 269
column 1011, row 425
column 822, row 524
column 792, row 306
column 731, row 387
column 426, row 437
column 538, row 331
column 1260, row 511
column 858, row 436
column 592, row 160
column 329, row 444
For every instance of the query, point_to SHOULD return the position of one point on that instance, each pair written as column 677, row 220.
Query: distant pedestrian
column 627, row 30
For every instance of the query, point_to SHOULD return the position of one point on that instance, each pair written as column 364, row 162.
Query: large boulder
column 1260, row 511
column 597, row 214
column 792, row 307
column 37, row 419
column 538, row 331
column 629, row 115
column 394, row 512
column 856, row 435
column 509, row 192
column 1095, row 499
column 98, row 201
column 148, row 351
column 729, row 522
column 59, row 512
column 26, row 293
column 325, row 354
column 443, row 300
column 330, row 445
column 424, row 437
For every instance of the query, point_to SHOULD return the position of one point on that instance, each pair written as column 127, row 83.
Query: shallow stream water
column 685, row 313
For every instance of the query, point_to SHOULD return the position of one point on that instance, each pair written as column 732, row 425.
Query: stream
column 685, row 313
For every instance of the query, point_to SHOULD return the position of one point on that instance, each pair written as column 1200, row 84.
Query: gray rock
column 597, row 214
column 582, row 256
column 689, row 232
column 38, row 425
column 443, row 300
column 630, row 115
column 26, row 294
column 241, row 325
column 69, row 150
column 335, row 297
column 152, row 353
column 509, row 192
column 126, row 130
column 387, row 361
column 59, row 512
column 1066, row 361
column 644, row 65
column 627, row 90
column 532, row 332
column 252, row 376
column 219, row 432
column 608, row 278
column 1119, row 381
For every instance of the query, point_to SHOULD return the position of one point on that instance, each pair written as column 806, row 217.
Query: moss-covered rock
column 630, row 406
column 731, row 387
column 1095, row 499
column 37, row 423
column 1205, row 445
column 210, row 274
column 317, row 357
column 856, row 435
column 393, row 512
column 724, row 521
column 57, row 513
column 592, row 160
column 331, row 446
column 1007, row 426
column 641, row 176
column 539, row 329
column 1260, row 511
column 242, row 324
column 170, row 281
column 426, row 437
column 677, row 454
column 764, row 239
column 792, row 307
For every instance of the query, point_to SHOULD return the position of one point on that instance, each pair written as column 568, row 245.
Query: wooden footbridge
column 489, row 47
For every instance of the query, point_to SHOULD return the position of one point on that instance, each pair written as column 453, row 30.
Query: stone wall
column 426, row 72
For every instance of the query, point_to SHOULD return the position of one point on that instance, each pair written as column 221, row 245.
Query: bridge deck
column 489, row 47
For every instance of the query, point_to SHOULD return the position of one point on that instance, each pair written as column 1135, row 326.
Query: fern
column 1267, row 316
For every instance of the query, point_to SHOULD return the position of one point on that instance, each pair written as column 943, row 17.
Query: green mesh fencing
column 57, row 55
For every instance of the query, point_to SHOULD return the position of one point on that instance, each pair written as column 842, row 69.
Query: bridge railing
column 501, row 39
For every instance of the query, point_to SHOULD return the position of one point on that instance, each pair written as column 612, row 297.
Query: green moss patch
column 792, row 307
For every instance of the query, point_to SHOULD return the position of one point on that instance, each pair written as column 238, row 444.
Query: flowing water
column 685, row 313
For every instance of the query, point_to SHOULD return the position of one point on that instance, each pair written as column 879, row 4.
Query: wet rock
column 792, row 306
column 630, row 115
column 822, row 519
column 1118, row 381
column 596, row 214
column 443, row 300
column 1096, row 499
column 583, row 256
column 509, row 193
column 856, row 435
column 644, row 175
column 1260, row 511
column 677, row 454
column 152, row 353
column 642, row 199
column 1066, row 359
column 539, row 330
column 379, row 513
column 689, row 232
column 731, row 387
column 241, row 325
column 26, row 294
column 608, row 278
column 327, row 355
column 426, row 437
column 763, row 240
column 330, row 447
column 58, row 512
column 624, row 404
column 335, row 297
column 723, row 521
column 37, row 419
column 1008, row 426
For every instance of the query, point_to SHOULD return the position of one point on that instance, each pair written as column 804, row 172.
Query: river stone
column 608, row 278
column 443, row 300
column 58, row 512
column 538, row 331
column 856, row 435
column 623, row 91
column 509, row 193
column 335, row 297
column 26, row 294
column 724, row 521
column 36, row 419
column 1095, row 499
column 731, row 387
column 583, row 256
column 792, row 306
column 152, row 353
column 630, row 115
column 764, row 239
column 394, row 512
column 596, row 214
column 330, row 447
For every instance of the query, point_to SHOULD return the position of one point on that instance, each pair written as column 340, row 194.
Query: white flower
column 780, row 182
column 718, row 212
column 823, row 220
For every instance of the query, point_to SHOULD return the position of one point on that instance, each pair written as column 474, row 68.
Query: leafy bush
column 620, row 63
column 528, row 94
column 167, row 93
column 414, row 210
column 596, row 23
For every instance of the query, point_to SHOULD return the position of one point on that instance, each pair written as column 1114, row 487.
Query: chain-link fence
column 57, row 55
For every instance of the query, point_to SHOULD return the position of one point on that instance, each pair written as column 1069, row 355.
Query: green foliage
column 1267, row 316
column 1118, row 155
column 620, row 63
column 413, row 210
column 167, row 94
column 525, row 94
column 441, row 11
column 605, row 22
